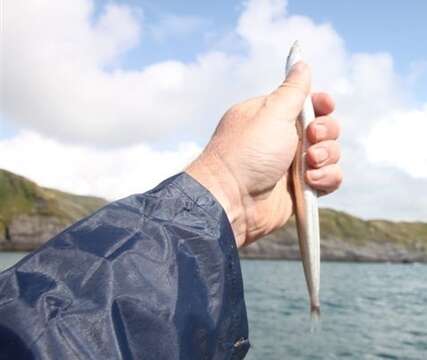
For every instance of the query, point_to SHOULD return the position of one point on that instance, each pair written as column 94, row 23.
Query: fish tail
column 315, row 312
column 315, row 318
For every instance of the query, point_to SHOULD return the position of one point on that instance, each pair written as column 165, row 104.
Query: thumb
column 288, row 99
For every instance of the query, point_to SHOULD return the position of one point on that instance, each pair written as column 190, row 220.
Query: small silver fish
column 306, row 208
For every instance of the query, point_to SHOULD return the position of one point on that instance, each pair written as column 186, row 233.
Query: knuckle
column 338, row 177
column 332, row 125
column 337, row 127
column 234, row 110
column 311, row 131
column 294, row 86
column 335, row 150
column 270, row 100
column 233, row 113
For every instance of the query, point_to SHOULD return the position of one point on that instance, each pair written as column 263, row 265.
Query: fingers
column 288, row 99
column 326, row 179
column 322, row 128
column 325, row 175
column 324, row 153
column 322, row 103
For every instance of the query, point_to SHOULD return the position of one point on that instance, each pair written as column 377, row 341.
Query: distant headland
column 30, row 215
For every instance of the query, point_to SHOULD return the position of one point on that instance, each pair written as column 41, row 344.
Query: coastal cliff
column 347, row 238
column 30, row 215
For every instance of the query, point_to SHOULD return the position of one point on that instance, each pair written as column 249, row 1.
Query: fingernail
column 320, row 154
column 316, row 174
column 297, row 67
column 321, row 132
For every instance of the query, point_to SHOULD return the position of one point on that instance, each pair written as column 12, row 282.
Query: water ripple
column 369, row 311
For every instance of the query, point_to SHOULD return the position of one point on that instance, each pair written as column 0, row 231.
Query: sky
column 110, row 97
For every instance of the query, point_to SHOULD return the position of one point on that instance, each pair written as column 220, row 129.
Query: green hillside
column 348, row 238
column 19, row 195
column 337, row 224
column 22, row 199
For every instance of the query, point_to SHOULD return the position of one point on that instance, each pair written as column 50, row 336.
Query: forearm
column 153, row 276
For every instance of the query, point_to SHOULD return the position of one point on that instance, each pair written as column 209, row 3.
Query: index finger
column 322, row 103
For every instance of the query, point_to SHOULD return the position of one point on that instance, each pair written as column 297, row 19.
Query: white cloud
column 61, row 86
column 109, row 173
column 375, row 190
column 55, row 83
column 400, row 140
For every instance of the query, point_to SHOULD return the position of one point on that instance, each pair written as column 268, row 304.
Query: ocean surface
column 369, row 311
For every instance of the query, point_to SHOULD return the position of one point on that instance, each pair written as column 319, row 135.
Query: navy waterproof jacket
column 152, row 276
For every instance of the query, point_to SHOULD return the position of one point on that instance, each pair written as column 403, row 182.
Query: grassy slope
column 339, row 225
column 344, row 236
column 19, row 195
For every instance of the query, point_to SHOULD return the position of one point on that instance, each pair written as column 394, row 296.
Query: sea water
column 368, row 311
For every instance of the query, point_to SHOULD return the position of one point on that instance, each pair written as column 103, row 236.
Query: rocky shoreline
column 276, row 247
column 348, row 238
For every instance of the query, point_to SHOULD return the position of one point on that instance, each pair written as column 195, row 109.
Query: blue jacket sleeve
column 152, row 276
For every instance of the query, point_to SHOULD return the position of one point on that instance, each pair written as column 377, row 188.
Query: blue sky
column 396, row 27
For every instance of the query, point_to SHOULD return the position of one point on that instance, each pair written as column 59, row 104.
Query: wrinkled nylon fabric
column 152, row 276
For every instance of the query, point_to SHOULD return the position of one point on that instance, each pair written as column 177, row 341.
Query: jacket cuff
column 205, row 206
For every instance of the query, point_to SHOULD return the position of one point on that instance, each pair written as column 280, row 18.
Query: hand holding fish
column 246, row 164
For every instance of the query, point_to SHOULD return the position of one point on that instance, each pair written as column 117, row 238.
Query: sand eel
column 306, row 208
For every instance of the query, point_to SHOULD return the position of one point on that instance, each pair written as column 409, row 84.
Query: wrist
column 211, row 171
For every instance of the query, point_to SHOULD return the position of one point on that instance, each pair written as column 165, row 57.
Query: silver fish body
column 305, row 200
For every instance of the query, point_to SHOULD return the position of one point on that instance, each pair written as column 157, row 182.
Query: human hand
column 246, row 163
